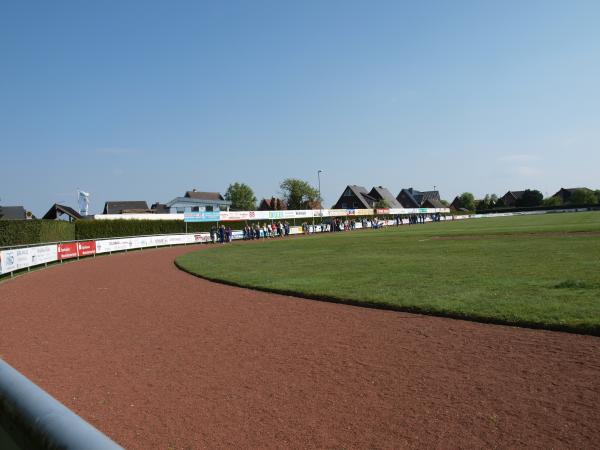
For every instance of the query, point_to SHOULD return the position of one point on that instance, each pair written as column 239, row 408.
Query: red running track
column 157, row 358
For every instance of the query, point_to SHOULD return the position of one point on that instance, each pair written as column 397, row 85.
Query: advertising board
column 337, row 212
column 202, row 216
column 201, row 237
column 259, row 215
column 66, row 251
column 301, row 213
column 86, row 248
column 21, row 258
column 275, row 214
column 113, row 245
column 234, row 216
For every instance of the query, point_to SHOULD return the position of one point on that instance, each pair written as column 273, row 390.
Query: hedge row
column 97, row 229
column 22, row 232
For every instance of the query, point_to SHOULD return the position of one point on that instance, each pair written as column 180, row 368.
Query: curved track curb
column 406, row 309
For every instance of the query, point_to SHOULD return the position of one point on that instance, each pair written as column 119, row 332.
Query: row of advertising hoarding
column 237, row 216
column 15, row 259
column 12, row 260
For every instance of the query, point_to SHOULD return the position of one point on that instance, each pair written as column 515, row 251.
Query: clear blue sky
column 144, row 100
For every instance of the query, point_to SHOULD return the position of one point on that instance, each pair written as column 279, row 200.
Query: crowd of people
column 223, row 234
column 275, row 229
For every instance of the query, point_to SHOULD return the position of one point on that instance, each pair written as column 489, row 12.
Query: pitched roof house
column 411, row 198
column 511, row 197
column 123, row 207
column 12, row 213
column 456, row 204
column 272, row 204
column 355, row 197
column 195, row 201
column 198, row 195
column 565, row 193
column 433, row 203
column 57, row 211
column 159, row 208
column 381, row 193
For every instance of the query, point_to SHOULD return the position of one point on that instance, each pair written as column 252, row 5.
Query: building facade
column 196, row 201
column 355, row 197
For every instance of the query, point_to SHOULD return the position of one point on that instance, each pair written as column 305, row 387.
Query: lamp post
column 320, row 200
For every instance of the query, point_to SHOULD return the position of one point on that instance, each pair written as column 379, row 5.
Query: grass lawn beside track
column 526, row 270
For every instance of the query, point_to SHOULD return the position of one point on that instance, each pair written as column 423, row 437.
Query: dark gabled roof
column 456, row 203
column 433, row 203
column 379, row 192
column 407, row 199
column 515, row 194
column 159, row 208
column 571, row 190
column 119, row 207
column 272, row 204
column 56, row 210
column 430, row 195
column 359, row 193
column 12, row 213
column 197, row 195
column 362, row 195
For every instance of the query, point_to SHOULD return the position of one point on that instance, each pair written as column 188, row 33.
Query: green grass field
column 538, row 271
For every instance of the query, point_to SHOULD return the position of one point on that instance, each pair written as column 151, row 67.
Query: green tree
column 381, row 204
column 583, row 197
column 241, row 197
column 486, row 203
column 298, row 194
column 467, row 201
column 531, row 197
column 552, row 201
column 493, row 200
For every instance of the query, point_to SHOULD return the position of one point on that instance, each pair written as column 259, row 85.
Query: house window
column 180, row 210
column 195, row 209
column 209, row 208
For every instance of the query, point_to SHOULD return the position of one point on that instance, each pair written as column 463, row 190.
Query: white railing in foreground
column 31, row 419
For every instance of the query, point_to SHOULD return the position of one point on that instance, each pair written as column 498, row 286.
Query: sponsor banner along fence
column 86, row 248
column 22, row 258
column 16, row 259
column 236, row 216
column 67, row 250
column 123, row 244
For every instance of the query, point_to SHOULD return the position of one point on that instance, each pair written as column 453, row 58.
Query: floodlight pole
column 320, row 200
